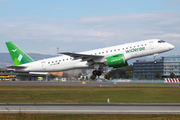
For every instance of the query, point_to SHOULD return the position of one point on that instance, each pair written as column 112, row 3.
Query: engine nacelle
column 116, row 61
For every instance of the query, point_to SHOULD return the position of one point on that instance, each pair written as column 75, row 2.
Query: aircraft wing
column 84, row 57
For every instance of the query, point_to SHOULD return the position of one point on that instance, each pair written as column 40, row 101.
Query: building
column 24, row 76
column 164, row 66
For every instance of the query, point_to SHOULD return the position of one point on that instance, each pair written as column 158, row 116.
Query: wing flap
column 84, row 57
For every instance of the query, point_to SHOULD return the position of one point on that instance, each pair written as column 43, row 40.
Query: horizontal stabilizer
column 16, row 67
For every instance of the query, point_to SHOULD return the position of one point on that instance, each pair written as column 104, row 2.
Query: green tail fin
column 18, row 56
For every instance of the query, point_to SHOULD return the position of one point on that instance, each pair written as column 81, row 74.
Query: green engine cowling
column 116, row 61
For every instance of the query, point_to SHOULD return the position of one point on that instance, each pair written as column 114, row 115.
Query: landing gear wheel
column 97, row 72
column 155, row 62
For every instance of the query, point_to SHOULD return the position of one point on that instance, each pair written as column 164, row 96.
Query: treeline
column 123, row 72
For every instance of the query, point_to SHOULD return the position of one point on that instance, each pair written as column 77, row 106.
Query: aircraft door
column 43, row 63
column 151, row 45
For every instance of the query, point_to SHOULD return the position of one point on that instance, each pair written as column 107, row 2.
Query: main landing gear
column 96, row 71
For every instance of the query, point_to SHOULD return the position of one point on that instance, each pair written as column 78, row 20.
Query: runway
column 76, row 83
column 56, row 83
column 92, row 108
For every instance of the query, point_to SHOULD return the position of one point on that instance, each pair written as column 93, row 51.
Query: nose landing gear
column 155, row 61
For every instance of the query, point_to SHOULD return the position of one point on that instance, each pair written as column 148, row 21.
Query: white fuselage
column 129, row 50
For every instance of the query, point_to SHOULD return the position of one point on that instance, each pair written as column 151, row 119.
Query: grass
column 73, row 94
column 23, row 116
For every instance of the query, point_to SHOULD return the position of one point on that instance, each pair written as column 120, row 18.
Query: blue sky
column 75, row 9
column 80, row 25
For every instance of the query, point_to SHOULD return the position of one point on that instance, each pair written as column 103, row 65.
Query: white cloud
column 100, row 34
column 91, row 32
column 172, row 35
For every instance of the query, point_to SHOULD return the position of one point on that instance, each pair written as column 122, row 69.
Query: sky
column 40, row 26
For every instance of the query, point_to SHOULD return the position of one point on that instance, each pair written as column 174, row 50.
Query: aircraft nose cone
column 171, row 47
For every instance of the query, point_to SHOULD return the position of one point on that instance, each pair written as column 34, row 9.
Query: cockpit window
column 161, row 41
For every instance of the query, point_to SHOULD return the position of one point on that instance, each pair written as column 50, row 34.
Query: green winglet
column 18, row 56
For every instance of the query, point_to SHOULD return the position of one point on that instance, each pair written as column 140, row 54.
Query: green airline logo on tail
column 18, row 56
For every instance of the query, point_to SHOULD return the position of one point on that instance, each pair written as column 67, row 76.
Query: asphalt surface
column 100, row 84
column 92, row 108
column 56, row 83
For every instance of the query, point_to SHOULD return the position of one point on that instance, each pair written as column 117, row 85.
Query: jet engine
column 116, row 61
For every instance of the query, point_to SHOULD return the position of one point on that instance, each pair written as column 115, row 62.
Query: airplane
column 115, row 56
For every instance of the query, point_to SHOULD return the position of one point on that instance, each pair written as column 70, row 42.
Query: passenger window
column 59, row 60
column 114, row 50
column 118, row 49
column 126, row 47
column 63, row 59
column 111, row 50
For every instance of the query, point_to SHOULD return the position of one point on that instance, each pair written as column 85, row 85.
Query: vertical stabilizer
column 18, row 56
